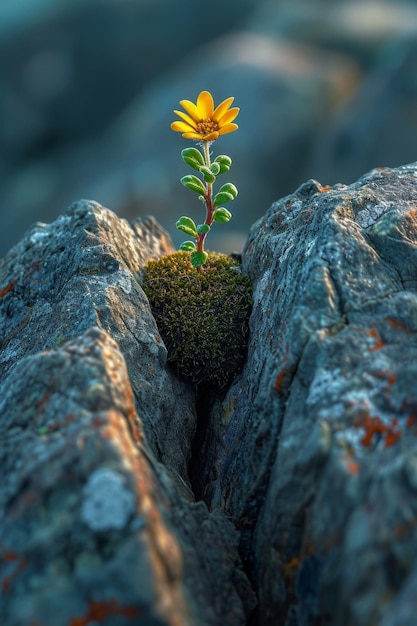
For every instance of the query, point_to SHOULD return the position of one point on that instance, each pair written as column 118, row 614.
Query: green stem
column 208, row 199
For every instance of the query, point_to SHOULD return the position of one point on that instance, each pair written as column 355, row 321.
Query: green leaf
column 187, row 225
column 222, row 197
column 208, row 175
column 224, row 161
column 229, row 188
column 198, row 258
column 187, row 246
column 215, row 168
column 222, row 215
column 193, row 183
column 203, row 228
column 192, row 157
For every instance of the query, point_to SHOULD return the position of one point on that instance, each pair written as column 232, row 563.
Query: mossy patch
column 203, row 317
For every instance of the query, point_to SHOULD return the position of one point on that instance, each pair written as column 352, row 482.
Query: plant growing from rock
column 204, row 123
column 200, row 300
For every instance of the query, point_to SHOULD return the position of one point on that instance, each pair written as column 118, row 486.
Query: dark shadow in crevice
column 198, row 470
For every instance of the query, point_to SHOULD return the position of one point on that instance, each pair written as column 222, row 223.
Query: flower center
column 207, row 126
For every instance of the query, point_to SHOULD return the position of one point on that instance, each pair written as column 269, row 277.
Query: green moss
column 202, row 316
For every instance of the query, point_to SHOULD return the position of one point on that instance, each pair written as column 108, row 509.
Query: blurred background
column 327, row 90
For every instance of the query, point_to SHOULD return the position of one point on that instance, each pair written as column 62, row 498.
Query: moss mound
column 202, row 316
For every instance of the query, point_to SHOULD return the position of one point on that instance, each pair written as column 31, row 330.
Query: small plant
column 204, row 123
column 202, row 308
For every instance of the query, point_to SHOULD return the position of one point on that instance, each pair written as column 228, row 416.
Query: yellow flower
column 204, row 122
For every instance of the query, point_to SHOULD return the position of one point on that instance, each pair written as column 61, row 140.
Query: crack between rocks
column 204, row 403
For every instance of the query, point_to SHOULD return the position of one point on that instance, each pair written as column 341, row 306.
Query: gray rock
column 312, row 451
column 82, row 271
column 97, row 515
column 123, row 492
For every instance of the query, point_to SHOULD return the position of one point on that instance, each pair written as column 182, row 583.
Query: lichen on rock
column 203, row 317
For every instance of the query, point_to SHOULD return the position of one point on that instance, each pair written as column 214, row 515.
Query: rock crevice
column 127, row 497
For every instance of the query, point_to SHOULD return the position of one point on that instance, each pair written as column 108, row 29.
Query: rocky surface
column 289, row 499
column 316, row 443
column 97, row 516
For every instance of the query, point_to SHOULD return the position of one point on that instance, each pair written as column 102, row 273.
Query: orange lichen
column 375, row 335
column 283, row 372
column 289, row 569
column 396, row 324
column 100, row 611
column 280, row 379
column 393, row 434
column 374, row 426
column 390, row 377
column 61, row 423
column 20, row 563
column 325, row 188
column 39, row 404
column 8, row 288
column 411, row 421
column 352, row 465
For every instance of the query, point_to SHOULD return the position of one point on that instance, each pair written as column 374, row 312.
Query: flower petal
column 192, row 135
column 222, row 108
column 186, row 118
column 228, row 128
column 191, row 109
column 181, row 127
column 205, row 104
column 228, row 116
column 211, row 136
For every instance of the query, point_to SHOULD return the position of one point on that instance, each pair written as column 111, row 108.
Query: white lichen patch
column 288, row 245
column 309, row 247
column 108, row 503
column 260, row 293
column 371, row 213
column 324, row 382
column 39, row 232
column 121, row 279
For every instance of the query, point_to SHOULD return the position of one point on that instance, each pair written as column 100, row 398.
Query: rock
column 300, row 478
column 98, row 519
column 312, row 452
column 77, row 273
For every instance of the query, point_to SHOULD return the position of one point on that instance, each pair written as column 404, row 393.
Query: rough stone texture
column 313, row 450
column 302, row 476
column 97, row 516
